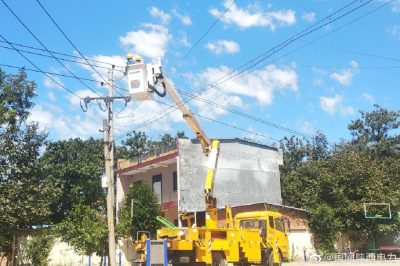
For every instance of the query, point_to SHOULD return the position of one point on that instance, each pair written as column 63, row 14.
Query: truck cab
column 272, row 228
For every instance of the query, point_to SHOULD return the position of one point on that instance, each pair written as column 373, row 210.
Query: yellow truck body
column 258, row 237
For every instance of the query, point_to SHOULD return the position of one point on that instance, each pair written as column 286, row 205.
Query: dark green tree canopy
column 139, row 210
column 138, row 143
column 25, row 194
column 334, row 181
column 76, row 166
column 85, row 229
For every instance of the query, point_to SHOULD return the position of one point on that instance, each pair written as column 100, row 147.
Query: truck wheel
column 218, row 259
column 271, row 260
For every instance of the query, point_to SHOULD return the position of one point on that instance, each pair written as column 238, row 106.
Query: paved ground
column 344, row 263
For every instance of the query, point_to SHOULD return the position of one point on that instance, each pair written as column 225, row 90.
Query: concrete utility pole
column 109, row 161
column 108, row 132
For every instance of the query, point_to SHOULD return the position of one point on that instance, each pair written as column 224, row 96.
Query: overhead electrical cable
column 50, row 73
column 47, row 50
column 73, row 45
column 40, row 70
column 276, row 48
column 319, row 38
column 63, row 59
column 271, row 52
column 63, row 54
column 263, row 58
column 248, row 116
column 199, row 115
column 208, row 30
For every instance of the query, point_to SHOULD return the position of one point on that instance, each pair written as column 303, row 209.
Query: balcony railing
column 148, row 156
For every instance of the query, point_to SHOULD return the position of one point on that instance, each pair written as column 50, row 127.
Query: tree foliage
column 85, row 229
column 25, row 193
column 39, row 248
column 138, row 143
column 145, row 209
column 334, row 182
column 76, row 166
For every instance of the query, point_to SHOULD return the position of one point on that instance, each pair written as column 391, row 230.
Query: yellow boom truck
column 257, row 237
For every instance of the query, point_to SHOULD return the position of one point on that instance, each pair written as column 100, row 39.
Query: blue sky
column 320, row 81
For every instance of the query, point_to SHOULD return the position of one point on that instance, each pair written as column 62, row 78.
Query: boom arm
column 210, row 148
column 188, row 116
column 142, row 79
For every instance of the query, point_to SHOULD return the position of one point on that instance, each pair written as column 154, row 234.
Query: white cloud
column 104, row 67
column 332, row 105
column 157, row 13
column 185, row 19
column 345, row 76
column 51, row 96
column 54, row 82
column 151, row 41
column 396, row 6
column 183, row 40
column 395, row 31
column 254, row 136
column 260, row 85
column 309, row 17
column 305, row 126
column 223, row 46
column 369, row 98
column 253, row 16
column 63, row 126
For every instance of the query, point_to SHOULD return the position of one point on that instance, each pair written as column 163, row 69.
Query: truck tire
column 218, row 259
column 271, row 260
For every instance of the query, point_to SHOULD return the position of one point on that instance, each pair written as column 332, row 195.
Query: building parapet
column 151, row 155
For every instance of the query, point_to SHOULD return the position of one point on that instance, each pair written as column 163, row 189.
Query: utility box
column 156, row 252
column 138, row 81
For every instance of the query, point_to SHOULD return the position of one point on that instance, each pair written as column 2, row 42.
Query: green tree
column 144, row 210
column 39, row 248
column 85, row 229
column 334, row 182
column 76, row 166
column 138, row 143
column 25, row 193
column 375, row 131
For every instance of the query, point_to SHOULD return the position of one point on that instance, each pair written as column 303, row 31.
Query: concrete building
column 247, row 173
column 247, row 178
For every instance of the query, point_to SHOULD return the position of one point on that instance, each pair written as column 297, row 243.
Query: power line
column 270, row 52
column 73, row 45
column 63, row 54
column 40, row 70
column 47, row 50
column 273, row 50
column 243, row 114
column 208, row 30
column 50, row 73
column 48, row 56
column 202, row 116
column 280, row 47
column 325, row 35
column 331, row 20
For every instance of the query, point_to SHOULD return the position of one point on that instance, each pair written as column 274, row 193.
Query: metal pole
column 109, row 156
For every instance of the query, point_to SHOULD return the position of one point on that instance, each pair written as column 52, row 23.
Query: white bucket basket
column 137, row 82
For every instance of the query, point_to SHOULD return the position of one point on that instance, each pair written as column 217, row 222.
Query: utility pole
column 108, row 132
column 109, row 160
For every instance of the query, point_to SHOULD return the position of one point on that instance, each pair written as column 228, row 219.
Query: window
column 271, row 222
column 157, row 188
column 175, row 181
column 280, row 224
column 250, row 224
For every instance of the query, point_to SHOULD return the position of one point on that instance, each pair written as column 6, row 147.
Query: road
column 344, row 263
